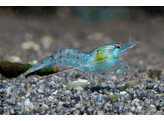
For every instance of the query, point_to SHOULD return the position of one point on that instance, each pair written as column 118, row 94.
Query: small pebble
column 89, row 111
column 40, row 91
column 12, row 112
column 46, row 41
column 132, row 109
column 30, row 45
column 123, row 93
column 14, row 59
column 44, row 107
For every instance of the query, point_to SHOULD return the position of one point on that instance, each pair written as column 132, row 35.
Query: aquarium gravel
column 52, row 95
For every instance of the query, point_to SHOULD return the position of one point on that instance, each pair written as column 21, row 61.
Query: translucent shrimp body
column 99, row 59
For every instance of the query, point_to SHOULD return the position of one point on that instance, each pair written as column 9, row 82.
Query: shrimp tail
column 43, row 63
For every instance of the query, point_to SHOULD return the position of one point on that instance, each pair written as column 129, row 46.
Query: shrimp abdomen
column 68, row 57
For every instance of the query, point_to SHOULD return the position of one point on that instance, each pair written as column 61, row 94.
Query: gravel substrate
column 113, row 96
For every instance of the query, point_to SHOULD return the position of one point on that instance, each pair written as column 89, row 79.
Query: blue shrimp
column 98, row 60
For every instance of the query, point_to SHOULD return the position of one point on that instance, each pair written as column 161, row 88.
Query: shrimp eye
column 118, row 46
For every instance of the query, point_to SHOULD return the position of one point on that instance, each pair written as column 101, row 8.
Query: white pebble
column 96, row 36
column 152, row 108
column 46, row 41
column 54, row 93
column 44, row 107
column 30, row 45
column 28, row 105
column 136, row 100
column 51, row 98
column 133, row 109
column 100, row 113
column 40, row 91
column 123, row 93
column 139, row 108
column 14, row 58
column 12, row 111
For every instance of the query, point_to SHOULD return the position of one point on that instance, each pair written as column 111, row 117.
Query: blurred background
column 32, row 33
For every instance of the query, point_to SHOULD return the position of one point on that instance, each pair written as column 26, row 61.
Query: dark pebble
column 2, row 99
column 33, row 93
column 63, row 99
column 66, row 111
column 158, row 107
column 107, row 87
column 82, row 111
column 150, row 81
column 157, row 97
column 32, row 81
column 89, row 111
column 54, row 106
column 154, row 73
column 2, row 91
column 36, row 109
column 48, row 102
column 141, row 69
column 59, row 98
column 66, row 105
column 42, row 113
column 16, row 111
column 72, row 103
column 106, row 98
column 120, row 88
column 2, row 96
column 20, row 113
column 95, row 88
column 2, row 85
column 56, row 103
column 1, row 110
column 46, row 94
column 113, row 90
column 48, row 112
column 162, row 109
column 116, row 112
column 72, row 110
column 52, row 86
column 142, row 95
column 136, row 87
column 150, row 86
column 52, row 112
column 76, row 98
column 13, row 103
column 157, row 89
column 22, row 93
column 4, row 104
column 73, row 90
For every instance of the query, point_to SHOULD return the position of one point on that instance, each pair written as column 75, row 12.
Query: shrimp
column 98, row 60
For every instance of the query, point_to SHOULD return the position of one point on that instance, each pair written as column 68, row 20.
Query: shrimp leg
column 123, row 68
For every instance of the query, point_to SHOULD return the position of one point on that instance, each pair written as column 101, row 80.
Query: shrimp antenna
column 130, row 35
